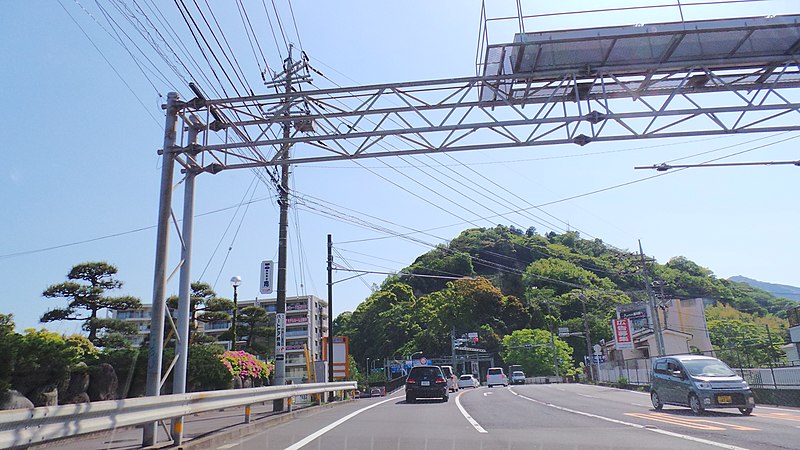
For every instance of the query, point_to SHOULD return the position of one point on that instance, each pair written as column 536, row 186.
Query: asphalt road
column 568, row 416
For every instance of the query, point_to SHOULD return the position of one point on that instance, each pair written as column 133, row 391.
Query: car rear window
column 446, row 371
column 519, row 374
column 466, row 377
column 495, row 371
column 425, row 372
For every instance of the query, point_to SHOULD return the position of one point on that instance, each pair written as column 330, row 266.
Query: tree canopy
column 514, row 281
column 85, row 291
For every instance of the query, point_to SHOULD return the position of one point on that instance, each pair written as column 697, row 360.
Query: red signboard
column 623, row 340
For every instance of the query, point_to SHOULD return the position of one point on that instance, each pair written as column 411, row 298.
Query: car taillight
column 410, row 381
column 440, row 381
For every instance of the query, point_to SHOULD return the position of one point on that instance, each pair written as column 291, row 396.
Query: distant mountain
column 778, row 290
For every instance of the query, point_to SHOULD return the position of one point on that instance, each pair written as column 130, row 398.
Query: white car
column 495, row 376
column 518, row 377
column 465, row 381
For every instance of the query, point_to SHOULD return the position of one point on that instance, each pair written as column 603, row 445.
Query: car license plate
column 724, row 399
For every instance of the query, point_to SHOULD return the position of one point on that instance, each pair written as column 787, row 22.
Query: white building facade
column 306, row 326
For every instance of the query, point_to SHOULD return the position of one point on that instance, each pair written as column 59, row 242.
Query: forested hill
column 515, row 279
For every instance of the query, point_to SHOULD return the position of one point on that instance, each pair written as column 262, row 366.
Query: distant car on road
column 495, row 376
column 452, row 381
column 518, row 377
column 376, row 392
column 466, row 381
column 426, row 382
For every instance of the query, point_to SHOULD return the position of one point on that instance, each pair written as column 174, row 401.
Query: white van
column 496, row 376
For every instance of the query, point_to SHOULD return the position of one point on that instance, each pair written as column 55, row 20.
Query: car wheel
column 410, row 399
column 445, row 398
column 746, row 411
column 697, row 407
column 656, row 401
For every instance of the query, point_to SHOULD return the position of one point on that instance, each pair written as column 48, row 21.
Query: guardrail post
column 247, row 414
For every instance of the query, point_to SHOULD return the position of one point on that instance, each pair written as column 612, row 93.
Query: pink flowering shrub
column 244, row 365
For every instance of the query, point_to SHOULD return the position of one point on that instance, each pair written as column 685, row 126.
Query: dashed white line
column 466, row 415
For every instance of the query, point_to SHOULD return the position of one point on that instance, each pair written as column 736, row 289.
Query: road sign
column 423, row 361
column 266, row 277
column 280, row 337
column 623, row 340
column 597, row 349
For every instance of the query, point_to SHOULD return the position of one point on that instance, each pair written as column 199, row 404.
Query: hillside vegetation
column 500, row 280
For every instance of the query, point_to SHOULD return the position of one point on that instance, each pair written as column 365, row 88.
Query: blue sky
column 82, row 125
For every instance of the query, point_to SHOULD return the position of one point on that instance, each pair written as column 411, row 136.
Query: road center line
column 636, row 425
column 466, row 415
column 303, row 442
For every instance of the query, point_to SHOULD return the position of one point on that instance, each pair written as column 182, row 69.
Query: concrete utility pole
column 589, row 353
column 185, row 288
column 655, row 321
column 330, row 311
column 153, row 386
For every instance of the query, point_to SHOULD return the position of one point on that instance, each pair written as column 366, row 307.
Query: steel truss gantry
column 506, row 107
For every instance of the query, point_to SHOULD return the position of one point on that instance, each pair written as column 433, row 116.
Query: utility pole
column 453, row 347
column 656, row 322
column 283, row 232
column 185, row 288
column 156, row 349
column 589, row 353
column 330, row 311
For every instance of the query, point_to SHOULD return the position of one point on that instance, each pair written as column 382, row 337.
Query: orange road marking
column 700, row 424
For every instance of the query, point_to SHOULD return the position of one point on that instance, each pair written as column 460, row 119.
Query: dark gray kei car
column 426, row 382
column 699, row 382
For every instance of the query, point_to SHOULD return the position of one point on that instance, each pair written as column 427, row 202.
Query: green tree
column 86, row 300
column 532, row 350
column 256, row 325
column 204, row 306
column 744, row 343
column 44, row 358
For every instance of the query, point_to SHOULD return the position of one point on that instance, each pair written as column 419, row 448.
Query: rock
column 103, row 383
column 78, row 384
column 81, row 397
column 45, row 396
column 14, row 400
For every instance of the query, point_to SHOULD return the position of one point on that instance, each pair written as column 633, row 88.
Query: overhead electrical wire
column 114, row 69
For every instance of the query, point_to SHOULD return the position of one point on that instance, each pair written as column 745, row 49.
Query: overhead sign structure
column 266, row 277
column 623, row 338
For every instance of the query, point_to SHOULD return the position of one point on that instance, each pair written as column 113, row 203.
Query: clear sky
column 82, row 125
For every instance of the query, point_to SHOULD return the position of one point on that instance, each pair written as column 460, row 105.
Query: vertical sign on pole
column 266, row 277
column 623, row 340
column 280, row 338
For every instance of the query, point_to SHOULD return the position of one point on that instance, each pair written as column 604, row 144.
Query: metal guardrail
column 22, row 427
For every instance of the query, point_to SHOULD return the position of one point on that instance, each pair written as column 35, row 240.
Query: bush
column 244, row 365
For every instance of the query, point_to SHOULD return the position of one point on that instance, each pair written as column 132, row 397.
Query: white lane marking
column 223, row 447
column 587, row 396
column 469, row 418
column 487, row 393
column 635, row 425
column 303, row 442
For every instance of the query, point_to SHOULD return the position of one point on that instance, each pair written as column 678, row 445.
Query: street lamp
column 235, row 282
column 411, row 358
column 367, row 368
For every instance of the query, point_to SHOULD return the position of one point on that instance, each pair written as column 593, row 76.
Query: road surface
column 554, row 416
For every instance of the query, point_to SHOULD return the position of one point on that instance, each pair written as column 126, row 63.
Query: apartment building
column 306, row 325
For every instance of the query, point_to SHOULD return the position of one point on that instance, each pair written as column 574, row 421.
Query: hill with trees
column 506, row 283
